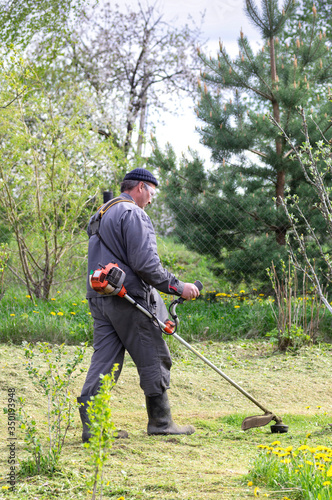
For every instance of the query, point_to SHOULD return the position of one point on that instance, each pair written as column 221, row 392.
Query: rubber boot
column 83, row 402
column 160, row 418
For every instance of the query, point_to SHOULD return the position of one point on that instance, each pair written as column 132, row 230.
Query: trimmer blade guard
column 256, row 421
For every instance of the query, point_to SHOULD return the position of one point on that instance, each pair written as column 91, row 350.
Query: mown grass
column 215, row 462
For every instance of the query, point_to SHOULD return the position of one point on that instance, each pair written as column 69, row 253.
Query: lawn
column 210, row 464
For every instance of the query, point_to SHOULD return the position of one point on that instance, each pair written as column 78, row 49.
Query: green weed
column 51, row 370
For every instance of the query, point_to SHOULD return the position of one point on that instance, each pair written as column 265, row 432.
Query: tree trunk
column 280, row 184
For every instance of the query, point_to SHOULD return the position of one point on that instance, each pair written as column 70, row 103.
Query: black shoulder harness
column 95, row 219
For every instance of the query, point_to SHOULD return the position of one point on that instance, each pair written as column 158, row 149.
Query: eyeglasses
column 150, row 189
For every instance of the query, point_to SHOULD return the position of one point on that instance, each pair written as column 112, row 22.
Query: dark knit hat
column 141, row 174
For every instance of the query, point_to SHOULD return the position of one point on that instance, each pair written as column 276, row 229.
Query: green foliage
column 23, row 20
column 298, row 312
column 303, row 472
column 51, row 164
column 102, row 430
column 52, row 371
column 4, row 256
column 232, row 211
column 63, row 318
column 316, row 165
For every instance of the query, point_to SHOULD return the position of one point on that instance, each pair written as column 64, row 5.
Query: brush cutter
column 108, row 280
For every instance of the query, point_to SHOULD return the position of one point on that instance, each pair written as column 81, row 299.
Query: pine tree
column 254, row 168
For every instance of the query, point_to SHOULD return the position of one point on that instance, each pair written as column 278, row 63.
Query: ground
column 210, row 464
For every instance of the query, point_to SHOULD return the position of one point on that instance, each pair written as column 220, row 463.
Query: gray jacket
column 128, row 232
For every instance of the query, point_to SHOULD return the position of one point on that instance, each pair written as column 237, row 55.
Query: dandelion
column 307, row 407
column 73, row 313
column 58, row 291
column 74, row 304
column 60, row 313
column 326, row 483
column 53, row 298
column 275, row 443
column 261, row 295
column 308, row 435
column 36, row 312
column 242, row 291
column 318, row 407
column 12, row 315
column 28, row 296
column 84, row 301
column 53, row 313
column 250, row 483
column 256, row 491
column 236, row 307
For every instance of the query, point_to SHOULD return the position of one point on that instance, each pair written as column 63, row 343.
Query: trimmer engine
column 108, row 280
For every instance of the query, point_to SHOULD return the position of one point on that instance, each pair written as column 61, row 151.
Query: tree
column 131, row 59
column 253, row 163
column 316, row 164
column 51, row 165
column 24, row 20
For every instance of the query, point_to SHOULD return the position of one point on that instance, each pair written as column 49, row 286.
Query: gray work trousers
column 119, row 326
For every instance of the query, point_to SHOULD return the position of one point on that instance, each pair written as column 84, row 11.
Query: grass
column 214, row 462
column 66, row 318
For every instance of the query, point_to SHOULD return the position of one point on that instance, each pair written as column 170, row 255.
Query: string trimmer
column 108, row 280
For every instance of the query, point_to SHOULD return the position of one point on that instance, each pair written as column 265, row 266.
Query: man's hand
column 190, row 291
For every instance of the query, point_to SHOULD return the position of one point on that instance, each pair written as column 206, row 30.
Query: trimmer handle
column 198, row 284
column 180, row 300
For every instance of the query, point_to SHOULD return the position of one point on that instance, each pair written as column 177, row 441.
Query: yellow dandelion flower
column 242, row 291
column 308, row 435
column 326, row 483
column 261, row 295
column 12, row 314
column 53, row 313
column 250, row 483
column 72, row 313
column 28, row 296
column 74, row 304
column 60, row 313
column 256, row 491
column 89, row 313
column 275, row 443
column 236, row 307
column 37, row 312
column 286, row 461
column 84, row 301
column 53, row 298
column 318, row 407
column 58, row 291
column 307, row 407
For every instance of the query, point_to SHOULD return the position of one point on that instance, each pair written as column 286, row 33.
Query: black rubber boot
column 160, row 418
column 83, row 402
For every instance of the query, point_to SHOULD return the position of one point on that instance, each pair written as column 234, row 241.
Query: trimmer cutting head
column 261, row 420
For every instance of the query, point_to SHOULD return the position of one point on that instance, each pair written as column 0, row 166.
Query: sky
column 223, row 20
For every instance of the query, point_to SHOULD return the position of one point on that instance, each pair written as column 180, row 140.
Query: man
column 126, row 236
